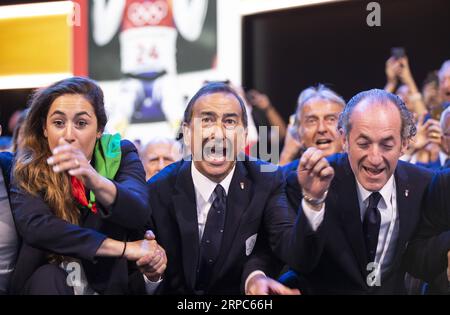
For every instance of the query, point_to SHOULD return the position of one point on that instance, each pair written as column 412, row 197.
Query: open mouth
column 215, row 154
column 323, row 143
column 373, row 171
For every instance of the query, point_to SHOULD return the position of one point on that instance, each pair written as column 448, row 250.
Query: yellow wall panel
column 41, row 44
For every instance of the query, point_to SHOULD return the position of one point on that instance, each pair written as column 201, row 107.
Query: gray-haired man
column 358, row 210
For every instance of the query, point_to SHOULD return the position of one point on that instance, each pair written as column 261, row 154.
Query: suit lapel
column 351, row 214
column 186, row 216
column 403, row 191
column 239, row 195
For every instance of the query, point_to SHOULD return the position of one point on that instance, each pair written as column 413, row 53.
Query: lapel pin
column 242, row 185
column 406, row 193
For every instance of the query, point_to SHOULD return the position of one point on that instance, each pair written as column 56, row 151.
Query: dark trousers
column 48, row 280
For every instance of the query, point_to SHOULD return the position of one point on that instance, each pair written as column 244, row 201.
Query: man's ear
column 242, row 135
column 343, row 140
column 186, row 134
column 445, row 147
column 405, row 143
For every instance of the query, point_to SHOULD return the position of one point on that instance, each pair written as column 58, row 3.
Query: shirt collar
column 443, row 158
column 385, row 192
column 205, row 187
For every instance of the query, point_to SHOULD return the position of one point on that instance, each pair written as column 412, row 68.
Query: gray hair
column 443, row 68
column 408, row 128
column 176, row 149
column 444, row 115
column 320, row 92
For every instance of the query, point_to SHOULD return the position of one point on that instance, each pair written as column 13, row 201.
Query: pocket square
column 250, row 244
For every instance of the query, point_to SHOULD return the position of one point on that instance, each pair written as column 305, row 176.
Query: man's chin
column 219, row 159
column 371, row 184
column 217, row 170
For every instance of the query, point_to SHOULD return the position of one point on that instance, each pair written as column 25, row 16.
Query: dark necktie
column 371, row 226
column 212, row 238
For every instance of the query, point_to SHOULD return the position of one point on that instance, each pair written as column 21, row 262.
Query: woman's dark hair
column 43, row 98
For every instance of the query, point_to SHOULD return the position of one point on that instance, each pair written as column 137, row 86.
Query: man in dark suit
column 9, row 243
column 429, row 252
column 357, row 210
column 212, row 215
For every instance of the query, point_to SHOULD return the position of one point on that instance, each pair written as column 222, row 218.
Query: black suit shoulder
column 416, row 172
column 428, row 251
column 438, row 205
column 127, row 146
column 262, row 171
column 164, row 181
column 292, row 166
column 169, row 173
column 6, row 161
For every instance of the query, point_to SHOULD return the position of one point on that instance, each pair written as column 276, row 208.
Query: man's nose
column 218, row 131
column 322, row 128
column 375, row 157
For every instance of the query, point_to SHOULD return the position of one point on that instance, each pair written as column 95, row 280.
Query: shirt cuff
column 315, row 218
column 151, row 286
column 254, row 273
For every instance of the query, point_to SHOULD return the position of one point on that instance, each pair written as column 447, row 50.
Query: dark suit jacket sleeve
column 426, row 255
column 272, row 245
column 306, row 246
column 262, row 259
column 6, row 159
column 40, row 228
column 279, row 219
column 130, row 209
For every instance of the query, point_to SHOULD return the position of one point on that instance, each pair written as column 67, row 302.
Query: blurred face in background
column 444, row 84
column 403, row 92
column 318, row 125
column 158, row 155
column 430, row 94
column 446, row 134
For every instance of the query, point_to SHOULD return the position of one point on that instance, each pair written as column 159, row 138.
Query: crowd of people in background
column 357, row 205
